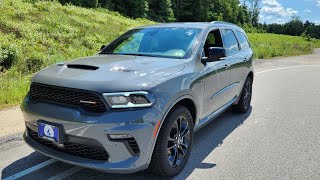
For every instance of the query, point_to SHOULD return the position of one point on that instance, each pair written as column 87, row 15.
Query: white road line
column 30, row 170
column 290, row 67
column 66, row 173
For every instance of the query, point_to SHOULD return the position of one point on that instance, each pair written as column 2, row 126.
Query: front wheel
column 174, row 142
column 245, row 98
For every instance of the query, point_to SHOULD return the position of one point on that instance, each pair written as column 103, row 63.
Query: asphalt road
column 279, row 138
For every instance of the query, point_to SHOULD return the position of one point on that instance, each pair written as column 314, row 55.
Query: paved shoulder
column 11, row 121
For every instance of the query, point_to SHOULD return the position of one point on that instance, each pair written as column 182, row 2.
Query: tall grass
column 267, row 46
column 38, row 34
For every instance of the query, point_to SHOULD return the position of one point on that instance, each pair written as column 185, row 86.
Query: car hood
column 110, row 73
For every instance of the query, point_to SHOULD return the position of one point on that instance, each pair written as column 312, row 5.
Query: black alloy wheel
column 174, row 143
column 178, row 141
column 245, row 98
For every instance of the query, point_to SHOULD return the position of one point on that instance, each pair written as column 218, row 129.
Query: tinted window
column 164, row 42
column 244, row 44
column 230, row 41
column 213, row 40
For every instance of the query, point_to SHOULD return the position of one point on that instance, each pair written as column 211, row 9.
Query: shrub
column 83, row 3
column 34, row 64
column 8, row 56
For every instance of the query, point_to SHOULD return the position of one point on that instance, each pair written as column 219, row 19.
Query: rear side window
column 244, row 44
column 230, row 41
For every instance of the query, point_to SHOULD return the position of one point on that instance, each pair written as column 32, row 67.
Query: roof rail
column 222, row 22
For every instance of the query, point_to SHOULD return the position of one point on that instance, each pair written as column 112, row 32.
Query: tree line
column 295, row 27
column 180, row 10
column 244, row 13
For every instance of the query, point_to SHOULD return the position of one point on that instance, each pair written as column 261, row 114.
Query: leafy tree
column 137, row 9
column 227, row 10
column 254, row 12
column 207, row 10
column 133, row 9
column 108, row 4
column 161, row 11
column 243, row 15
column 295, row 27
column 189, row 10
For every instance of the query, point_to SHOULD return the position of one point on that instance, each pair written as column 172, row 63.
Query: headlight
column 129, row 99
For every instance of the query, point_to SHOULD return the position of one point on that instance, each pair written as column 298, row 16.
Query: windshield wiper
column 107, row 53
column 139, row 54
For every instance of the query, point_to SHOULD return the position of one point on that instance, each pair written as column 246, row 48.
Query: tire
column 245, row 99
column 165, row 162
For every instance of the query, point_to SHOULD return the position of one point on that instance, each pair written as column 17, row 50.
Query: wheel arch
column 186, row 100
column 250, row 74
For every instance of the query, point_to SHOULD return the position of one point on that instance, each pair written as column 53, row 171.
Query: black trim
column 73, row 145
column 79, row 107
column 82, row 66
column 130, row 143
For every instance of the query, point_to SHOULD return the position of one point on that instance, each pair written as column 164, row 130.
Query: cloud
column 273, row 12
column 307, row 11
column 274, row 8
column 316, row 1
column 317, row 22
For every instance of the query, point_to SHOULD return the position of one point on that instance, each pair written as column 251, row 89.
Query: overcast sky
column 281, row 11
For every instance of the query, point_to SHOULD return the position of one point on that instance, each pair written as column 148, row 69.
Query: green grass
column 266, row 46
column 34, row 36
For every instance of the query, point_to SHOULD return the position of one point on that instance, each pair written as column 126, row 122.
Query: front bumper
column 139, row 123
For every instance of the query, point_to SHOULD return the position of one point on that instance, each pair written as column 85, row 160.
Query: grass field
column 266, row 46
column 34, row 36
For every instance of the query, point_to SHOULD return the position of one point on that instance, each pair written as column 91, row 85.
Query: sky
column 282, row 11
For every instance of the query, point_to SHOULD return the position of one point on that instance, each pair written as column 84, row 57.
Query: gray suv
column 136, row 104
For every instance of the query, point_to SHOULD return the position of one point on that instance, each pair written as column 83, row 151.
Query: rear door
column 240, row 67
column 232, row 60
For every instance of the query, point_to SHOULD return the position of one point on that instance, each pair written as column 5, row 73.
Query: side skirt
column 215, row 114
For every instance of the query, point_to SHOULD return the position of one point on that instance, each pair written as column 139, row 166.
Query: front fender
column 170, row 92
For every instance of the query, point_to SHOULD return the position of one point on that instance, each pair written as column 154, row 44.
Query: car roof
column 200, row 25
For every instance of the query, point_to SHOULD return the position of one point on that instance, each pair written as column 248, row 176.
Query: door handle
column 227, row 66
column 245, row 60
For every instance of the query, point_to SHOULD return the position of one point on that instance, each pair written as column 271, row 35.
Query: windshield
column 161, row 42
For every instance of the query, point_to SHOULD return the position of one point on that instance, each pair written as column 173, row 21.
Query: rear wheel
column 245, row 98
column 174, row 142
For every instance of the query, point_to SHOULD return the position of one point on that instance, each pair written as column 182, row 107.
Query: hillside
column 34, row 36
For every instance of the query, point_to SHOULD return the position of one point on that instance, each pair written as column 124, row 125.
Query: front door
column 217, row 77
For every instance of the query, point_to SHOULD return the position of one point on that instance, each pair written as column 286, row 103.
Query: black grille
column 81, row 150
column 84, row 99
column 134, row 146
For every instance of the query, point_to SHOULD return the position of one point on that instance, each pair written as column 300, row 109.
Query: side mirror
column 103, row 46
column 215, row 54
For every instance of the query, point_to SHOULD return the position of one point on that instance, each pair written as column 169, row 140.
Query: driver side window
column 213, row 40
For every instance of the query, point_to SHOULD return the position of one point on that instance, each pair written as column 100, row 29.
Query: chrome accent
column 126, row 93
column 225, row 89
column 88, row 102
